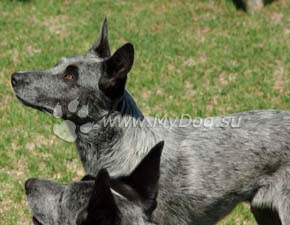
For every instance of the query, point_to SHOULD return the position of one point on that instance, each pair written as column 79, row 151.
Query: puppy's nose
column 29, row 185
column 16, row 79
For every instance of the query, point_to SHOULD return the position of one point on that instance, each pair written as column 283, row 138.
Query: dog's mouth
column 41, row 108
column 35, row 221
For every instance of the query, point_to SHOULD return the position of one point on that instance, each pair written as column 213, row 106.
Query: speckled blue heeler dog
column 205, row 173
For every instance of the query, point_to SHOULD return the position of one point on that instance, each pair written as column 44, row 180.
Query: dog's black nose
column 29, row 185
column 16, row 78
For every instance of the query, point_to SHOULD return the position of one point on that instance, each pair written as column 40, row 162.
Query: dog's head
column 95, row 79
column 100, row 200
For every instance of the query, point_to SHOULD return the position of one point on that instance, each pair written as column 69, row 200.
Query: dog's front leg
column 265, row 216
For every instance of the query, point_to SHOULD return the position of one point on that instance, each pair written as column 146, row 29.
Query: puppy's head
column 95, row 80
column 100, row 200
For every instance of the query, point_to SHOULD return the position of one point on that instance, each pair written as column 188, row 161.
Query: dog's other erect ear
column 113, row 81
column 145, row 178
column 102, row 208
column 101, row 47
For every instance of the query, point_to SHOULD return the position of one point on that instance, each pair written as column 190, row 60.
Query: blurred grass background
column 203, row 58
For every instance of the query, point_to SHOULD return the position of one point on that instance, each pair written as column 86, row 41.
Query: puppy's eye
column 71, row 73
column 68, row 77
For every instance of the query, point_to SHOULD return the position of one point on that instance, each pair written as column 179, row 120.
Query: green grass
column 202, row 58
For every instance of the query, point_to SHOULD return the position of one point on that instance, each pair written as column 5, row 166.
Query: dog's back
column 223, row 166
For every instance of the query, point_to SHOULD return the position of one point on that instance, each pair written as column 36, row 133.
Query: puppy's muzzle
column 18, row 79
column 29, row 184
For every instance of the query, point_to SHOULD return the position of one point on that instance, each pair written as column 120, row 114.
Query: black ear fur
column 113, row 81
column 102, row 208
column 101, row 47
column 145, row 178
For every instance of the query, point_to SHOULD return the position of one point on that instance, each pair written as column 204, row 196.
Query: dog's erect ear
column 145, row 178
column 113, row 81
column 101, row 47
column 102, row 208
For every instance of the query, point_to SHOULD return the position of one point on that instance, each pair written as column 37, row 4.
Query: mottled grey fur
column 58, row 204
column 205, row 173
column 100, row 200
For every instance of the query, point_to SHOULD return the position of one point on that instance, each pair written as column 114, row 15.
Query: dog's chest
column 87, row 154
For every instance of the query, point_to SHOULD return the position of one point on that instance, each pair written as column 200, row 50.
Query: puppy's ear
column 145, row 178
column 102, row 208
column 101, row 47
column 113, row 80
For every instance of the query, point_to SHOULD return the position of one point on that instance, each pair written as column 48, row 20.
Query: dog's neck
column 127, row 106
column 118, row 141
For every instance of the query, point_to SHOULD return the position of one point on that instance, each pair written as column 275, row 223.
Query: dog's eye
column 71, row 73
